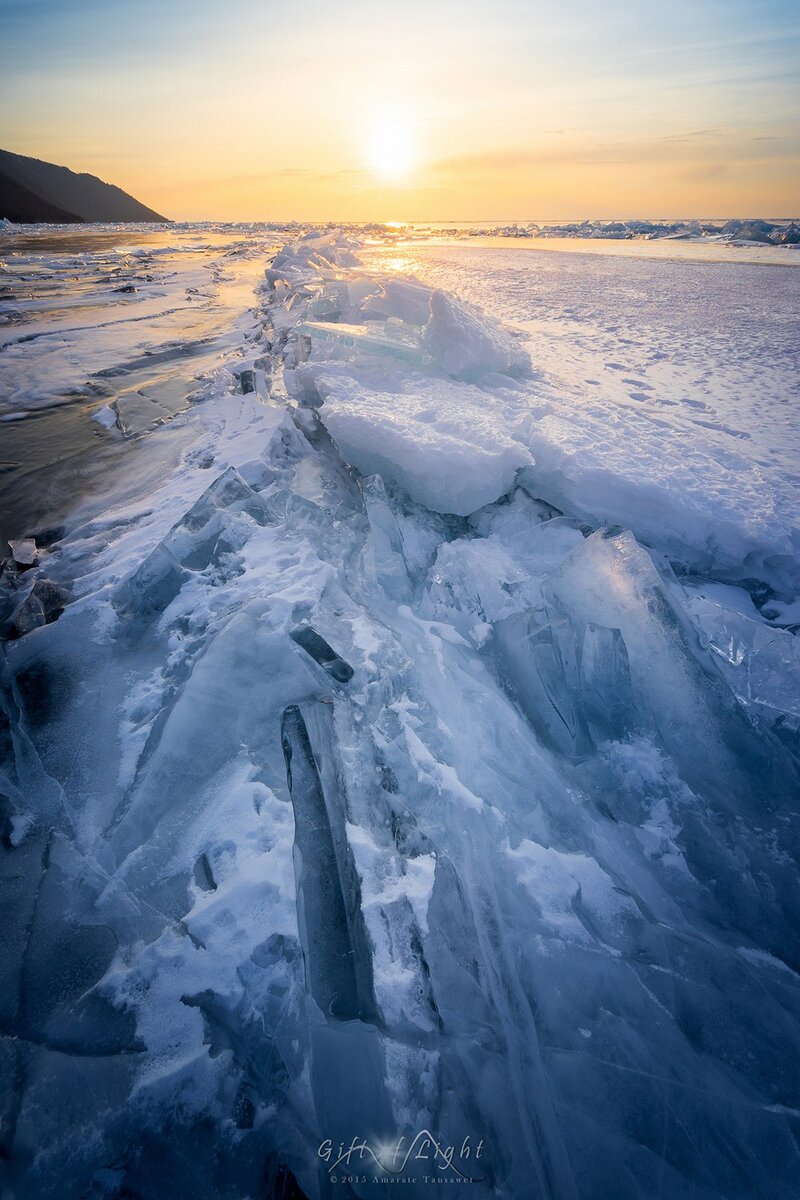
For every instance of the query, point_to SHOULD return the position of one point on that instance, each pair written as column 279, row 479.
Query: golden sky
column 514, row 110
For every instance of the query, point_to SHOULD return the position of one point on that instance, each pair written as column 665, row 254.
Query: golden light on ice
column 390, row 147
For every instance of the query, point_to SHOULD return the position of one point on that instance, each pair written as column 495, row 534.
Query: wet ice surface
column 110, row 325
column 414, row 747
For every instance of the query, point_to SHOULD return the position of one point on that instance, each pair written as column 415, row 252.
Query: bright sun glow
column 390, row 148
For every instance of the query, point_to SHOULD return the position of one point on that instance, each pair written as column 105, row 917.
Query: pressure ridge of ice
column 393, row 764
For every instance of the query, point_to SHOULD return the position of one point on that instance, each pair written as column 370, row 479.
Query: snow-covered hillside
column 418, row 756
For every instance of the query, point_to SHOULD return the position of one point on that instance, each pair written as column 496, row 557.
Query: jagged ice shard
column 361, row 783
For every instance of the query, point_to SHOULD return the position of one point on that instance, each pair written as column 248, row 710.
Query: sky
column 417, row 110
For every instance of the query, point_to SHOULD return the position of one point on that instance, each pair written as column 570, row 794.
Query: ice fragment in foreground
column 323, row 654
column 23, row 551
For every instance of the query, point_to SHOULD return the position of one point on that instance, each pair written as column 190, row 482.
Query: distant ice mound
column 784, row 232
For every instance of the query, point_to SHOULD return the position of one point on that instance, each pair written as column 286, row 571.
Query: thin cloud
column 705, row 172
column 665, row 148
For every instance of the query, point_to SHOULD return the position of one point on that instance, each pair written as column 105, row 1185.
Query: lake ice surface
column 404, row 737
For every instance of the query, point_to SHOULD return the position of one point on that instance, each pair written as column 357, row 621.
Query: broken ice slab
column 337, row 300
column 153, row 586
column 107, row 417
column 540, row 657
column 387, row 562
column 137, row 412
column 572, row 679
column 253, row 376
column 55, row 952
column 324, row 308
column 393, row 341
column 230, row 493
column 605, row 684
column 153, row 404
column 23, row 551
column 257, row 474
column 335, row 947
column 234, row 698
column 192, row 544
column 680, row 695
column 43, row 604
column 760, row 662
column 444, row 443
column 203, row 874
column 477, row 580
column 323, row 654
column 468, row 345
column 353, row 1051
column 285, row 507
column 400, row 299
column 247, row 380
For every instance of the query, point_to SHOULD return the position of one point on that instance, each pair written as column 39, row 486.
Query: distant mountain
column 21, row 205
column 31, row 190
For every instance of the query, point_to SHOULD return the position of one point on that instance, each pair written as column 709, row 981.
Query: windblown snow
column 418, row 754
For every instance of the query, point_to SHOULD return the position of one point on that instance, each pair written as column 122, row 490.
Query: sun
column 390, row 147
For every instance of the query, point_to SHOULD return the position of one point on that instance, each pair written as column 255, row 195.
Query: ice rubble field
column 421, row 753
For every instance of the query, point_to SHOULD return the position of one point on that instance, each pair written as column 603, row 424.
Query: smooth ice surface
column 405, row 739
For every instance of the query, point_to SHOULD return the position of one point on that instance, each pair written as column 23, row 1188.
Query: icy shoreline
column 369, row 782
column 735, row 231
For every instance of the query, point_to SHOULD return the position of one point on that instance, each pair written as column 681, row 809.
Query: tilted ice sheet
column 446, row 444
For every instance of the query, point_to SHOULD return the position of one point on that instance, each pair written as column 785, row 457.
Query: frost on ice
column 357, row 790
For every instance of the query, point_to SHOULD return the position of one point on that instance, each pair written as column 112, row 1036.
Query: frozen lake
column 403, row 717
column 705, row 340
column 677, row 373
